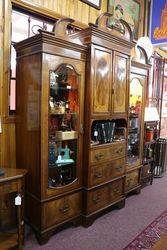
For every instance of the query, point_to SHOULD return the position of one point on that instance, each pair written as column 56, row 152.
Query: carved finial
column 102, row 20
column 60, row 27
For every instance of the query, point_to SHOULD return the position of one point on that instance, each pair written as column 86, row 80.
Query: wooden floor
column 161, row 244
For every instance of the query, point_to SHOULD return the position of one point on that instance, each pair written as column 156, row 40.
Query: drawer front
column 114, row 151
column 62, row 209
column 106, row 171
column 115, row 168
column 132, row 180
column 8, row 187
column 116, row 190
column 104, row 196
column 97, row 175
column 97, row 199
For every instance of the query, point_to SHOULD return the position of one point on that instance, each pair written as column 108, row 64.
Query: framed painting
column 129, row 11
column 94, row 3
column 158, row 30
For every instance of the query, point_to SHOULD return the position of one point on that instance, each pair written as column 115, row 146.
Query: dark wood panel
column 121, row 71
column 28, row 141
column 101, row 82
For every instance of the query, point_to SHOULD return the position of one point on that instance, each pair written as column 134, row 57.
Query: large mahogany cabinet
column 106, row 115
column 72, row 122
column 49, row 128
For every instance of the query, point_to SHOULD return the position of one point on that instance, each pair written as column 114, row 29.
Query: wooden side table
column 12, row 183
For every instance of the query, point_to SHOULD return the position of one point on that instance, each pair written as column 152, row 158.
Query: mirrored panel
column 135, row 117
column 63, row 126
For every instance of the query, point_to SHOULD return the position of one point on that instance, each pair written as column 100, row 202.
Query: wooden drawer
column 146, row 170
column 103, row 196
column 62, row 209
column 97, row 199
column 115, row 168
column 106, row 171
column 111, row 152
column 97, row 175
column 116, row 190
column 132, row 180
column 8, row 187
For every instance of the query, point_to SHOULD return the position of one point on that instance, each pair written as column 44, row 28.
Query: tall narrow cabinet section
column 140, row 71
column 49, row 128
column 106, row 115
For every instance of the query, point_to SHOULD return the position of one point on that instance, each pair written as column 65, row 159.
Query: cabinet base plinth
column 88, row 220
column 44, row 236
column 136, row 190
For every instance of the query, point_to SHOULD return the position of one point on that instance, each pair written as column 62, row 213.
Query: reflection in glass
column 63, row 125
column 135, row 114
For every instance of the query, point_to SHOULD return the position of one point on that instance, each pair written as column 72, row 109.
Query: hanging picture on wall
column 129, row 11
column 158, row 22
column 94, row 3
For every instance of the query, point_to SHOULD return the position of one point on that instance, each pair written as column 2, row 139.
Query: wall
column 79, row 11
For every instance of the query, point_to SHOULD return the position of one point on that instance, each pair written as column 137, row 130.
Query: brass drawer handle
column 119, row 151
column 116, row 190
column 65, row 208
column 96, row 199
column 119, row 168
column 98, row 175
column 129, row 182
column 99, row 156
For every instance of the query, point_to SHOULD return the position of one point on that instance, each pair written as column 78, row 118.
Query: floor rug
column 151, row 235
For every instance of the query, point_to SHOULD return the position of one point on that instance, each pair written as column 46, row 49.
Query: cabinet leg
column 121, row 204
column 138, row 191
column 151, row 181
column 43, row 239
column 87, row 222
column 77, row 222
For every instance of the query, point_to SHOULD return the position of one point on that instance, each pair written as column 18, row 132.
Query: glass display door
column 135, row 121
column 63, row 126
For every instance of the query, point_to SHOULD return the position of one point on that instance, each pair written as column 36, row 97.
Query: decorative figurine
column 64, row 156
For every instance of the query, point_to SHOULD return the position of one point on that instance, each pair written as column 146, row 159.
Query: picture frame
column 158, row 34
column 130, row 11
column 93, row 3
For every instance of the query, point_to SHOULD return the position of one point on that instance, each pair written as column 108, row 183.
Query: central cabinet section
column 106, row 118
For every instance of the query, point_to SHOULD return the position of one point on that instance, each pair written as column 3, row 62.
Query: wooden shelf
column 106, row 144
column 8, row 240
